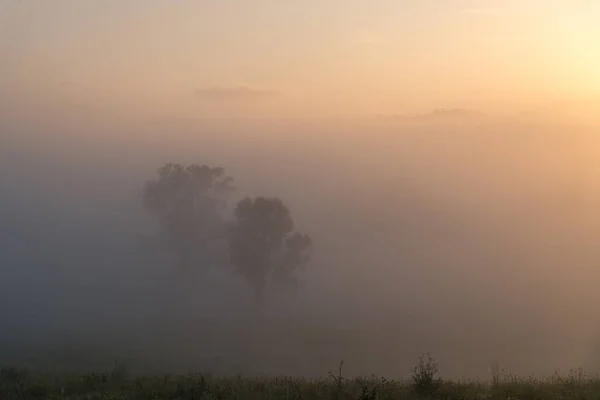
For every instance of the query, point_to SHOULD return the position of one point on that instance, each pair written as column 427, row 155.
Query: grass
column 119, row 383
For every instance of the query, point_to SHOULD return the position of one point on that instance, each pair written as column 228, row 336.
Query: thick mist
column 474, row 241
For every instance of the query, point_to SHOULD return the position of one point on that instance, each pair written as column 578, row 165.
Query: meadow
column 121, row 383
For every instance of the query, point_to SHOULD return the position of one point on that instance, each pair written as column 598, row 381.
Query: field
column 119, row 383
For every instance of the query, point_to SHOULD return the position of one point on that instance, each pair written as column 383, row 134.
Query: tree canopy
column 263, row 244
column 189, row 204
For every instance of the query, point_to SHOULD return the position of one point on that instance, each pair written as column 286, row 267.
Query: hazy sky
column 310, row 57
column 431, row 215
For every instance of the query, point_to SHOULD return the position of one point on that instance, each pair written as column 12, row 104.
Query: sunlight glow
column 582, row 37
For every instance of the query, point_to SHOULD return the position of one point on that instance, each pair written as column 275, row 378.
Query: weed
column 424, row 381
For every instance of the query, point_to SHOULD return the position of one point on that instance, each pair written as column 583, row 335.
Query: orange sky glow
column 268, row 58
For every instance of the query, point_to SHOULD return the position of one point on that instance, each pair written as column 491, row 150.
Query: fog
column 472, row 240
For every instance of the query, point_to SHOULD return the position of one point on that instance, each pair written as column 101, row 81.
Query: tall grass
column 119, row 383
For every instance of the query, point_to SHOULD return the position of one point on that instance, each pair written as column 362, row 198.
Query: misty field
column 118, row 383
column 225, row 199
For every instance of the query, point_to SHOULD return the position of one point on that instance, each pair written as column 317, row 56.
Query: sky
column 432, row 213
column 265, row 58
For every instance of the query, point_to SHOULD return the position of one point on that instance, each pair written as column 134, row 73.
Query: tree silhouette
column 187, row 203
column 263, row 245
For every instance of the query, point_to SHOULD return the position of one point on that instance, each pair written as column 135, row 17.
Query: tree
column 263, row 245
column 187, row 203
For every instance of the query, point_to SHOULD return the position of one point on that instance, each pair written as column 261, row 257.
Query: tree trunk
column 260, row 295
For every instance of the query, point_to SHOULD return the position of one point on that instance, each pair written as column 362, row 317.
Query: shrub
column 423, row 376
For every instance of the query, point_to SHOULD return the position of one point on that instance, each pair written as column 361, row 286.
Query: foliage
column 263, row 244
column 424, row 381
column 187, row 204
